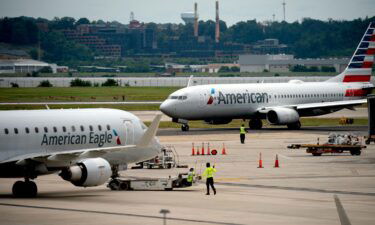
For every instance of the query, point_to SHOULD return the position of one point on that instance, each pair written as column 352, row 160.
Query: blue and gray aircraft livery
column 279, row 103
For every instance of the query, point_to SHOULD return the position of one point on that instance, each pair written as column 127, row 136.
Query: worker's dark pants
column 242, row 136
column 210, row 182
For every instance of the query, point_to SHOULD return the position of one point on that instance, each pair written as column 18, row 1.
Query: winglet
column 150, row 133
column 190, row 81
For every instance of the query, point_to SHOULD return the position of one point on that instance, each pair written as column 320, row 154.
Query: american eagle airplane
column 279, row 103
column 86, row 146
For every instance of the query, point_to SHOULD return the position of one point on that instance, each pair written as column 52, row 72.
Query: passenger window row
column 182, row 97
column 329, row 95
column 55, row 129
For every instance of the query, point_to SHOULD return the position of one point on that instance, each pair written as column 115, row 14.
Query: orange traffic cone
column 198, row 150
column 223, row 152
column 202, row 148
column 277, row 161
column 192, row 149
column 208, row 148
column 260, row 161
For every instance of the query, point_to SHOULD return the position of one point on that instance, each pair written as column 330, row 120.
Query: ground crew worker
column 242, row 134
column 190, row 177
column 209, row 174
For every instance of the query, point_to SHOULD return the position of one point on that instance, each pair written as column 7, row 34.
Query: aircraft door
column 129, row 132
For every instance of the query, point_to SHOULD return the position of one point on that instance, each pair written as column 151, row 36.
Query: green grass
column 146, row 107
column 91, row 94
column 306, row 122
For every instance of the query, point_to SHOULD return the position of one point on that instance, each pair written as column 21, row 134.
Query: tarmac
column 299, row 192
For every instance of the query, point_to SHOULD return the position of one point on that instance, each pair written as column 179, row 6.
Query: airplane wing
column 68, row 155
column 319, row 105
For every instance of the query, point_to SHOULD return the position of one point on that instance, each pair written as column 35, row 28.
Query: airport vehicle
column 337, row 143
column 165, row 160
column 150, row 184
column 86, row 146
column 279, row 103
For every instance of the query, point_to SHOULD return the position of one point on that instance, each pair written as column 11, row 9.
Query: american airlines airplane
column 279, row 103
column 85, row 146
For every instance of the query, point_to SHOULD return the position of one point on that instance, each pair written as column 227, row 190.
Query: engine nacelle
column 282, row 116
column 217, row 121
column 88, row 172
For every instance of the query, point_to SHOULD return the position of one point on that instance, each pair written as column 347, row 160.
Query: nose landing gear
column 185, row 127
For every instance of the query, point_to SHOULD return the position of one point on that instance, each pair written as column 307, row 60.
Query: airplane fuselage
column 244, row 100
column 28, row 132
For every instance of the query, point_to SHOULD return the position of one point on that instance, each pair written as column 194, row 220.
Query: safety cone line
column 192, row 149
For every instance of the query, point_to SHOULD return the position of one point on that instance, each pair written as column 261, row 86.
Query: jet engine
column 282, row 116
column 217, row 121
column 88, row 172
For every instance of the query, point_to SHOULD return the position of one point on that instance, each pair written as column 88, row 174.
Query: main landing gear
column 185, row 127
column 294, row 126
column 255, row 124
column 25, row 189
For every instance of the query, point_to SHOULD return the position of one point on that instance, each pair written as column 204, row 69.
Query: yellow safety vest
column 242, row 130
column 209, row 172
column 190, row 177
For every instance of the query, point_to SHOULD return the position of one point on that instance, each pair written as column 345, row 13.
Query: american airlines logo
column 237, row 98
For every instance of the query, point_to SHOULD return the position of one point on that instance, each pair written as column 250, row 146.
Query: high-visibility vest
column 190, row 177
column 242, row 130
column 209, row 172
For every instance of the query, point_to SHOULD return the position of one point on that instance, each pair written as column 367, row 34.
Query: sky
column 169, row 11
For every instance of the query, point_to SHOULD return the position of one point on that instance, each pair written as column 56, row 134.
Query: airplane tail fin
column 190, row 82
column 359, row 68
column 150, row 133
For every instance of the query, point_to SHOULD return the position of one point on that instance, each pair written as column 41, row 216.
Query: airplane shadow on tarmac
column 319, row 129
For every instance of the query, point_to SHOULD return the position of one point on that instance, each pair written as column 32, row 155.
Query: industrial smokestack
column 217, row 30
column 196, row 20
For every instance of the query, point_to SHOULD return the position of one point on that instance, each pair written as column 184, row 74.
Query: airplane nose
column 166, row 108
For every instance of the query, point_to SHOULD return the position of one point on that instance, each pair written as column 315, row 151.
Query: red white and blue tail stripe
column 359, row 68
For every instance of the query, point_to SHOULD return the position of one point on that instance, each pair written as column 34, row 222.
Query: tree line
column 309, row 38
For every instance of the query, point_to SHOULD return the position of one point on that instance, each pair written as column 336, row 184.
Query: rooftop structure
column 282, row 63
column 188, row 17
column 22, row 66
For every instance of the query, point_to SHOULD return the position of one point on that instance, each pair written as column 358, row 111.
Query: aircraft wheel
column 114, row 185
column 294, row 126
column 26, row 189
column 185, row 127
column 255, row 124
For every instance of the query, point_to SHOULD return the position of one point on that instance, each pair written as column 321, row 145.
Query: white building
column 282, row 63
column 23, row 66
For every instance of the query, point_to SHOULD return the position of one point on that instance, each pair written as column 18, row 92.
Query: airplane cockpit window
column 54, row 129
column 108, row 127
column 6, row 131
column 15, row 130
column 27, row 130
column 173, row 97
column 45, row 130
